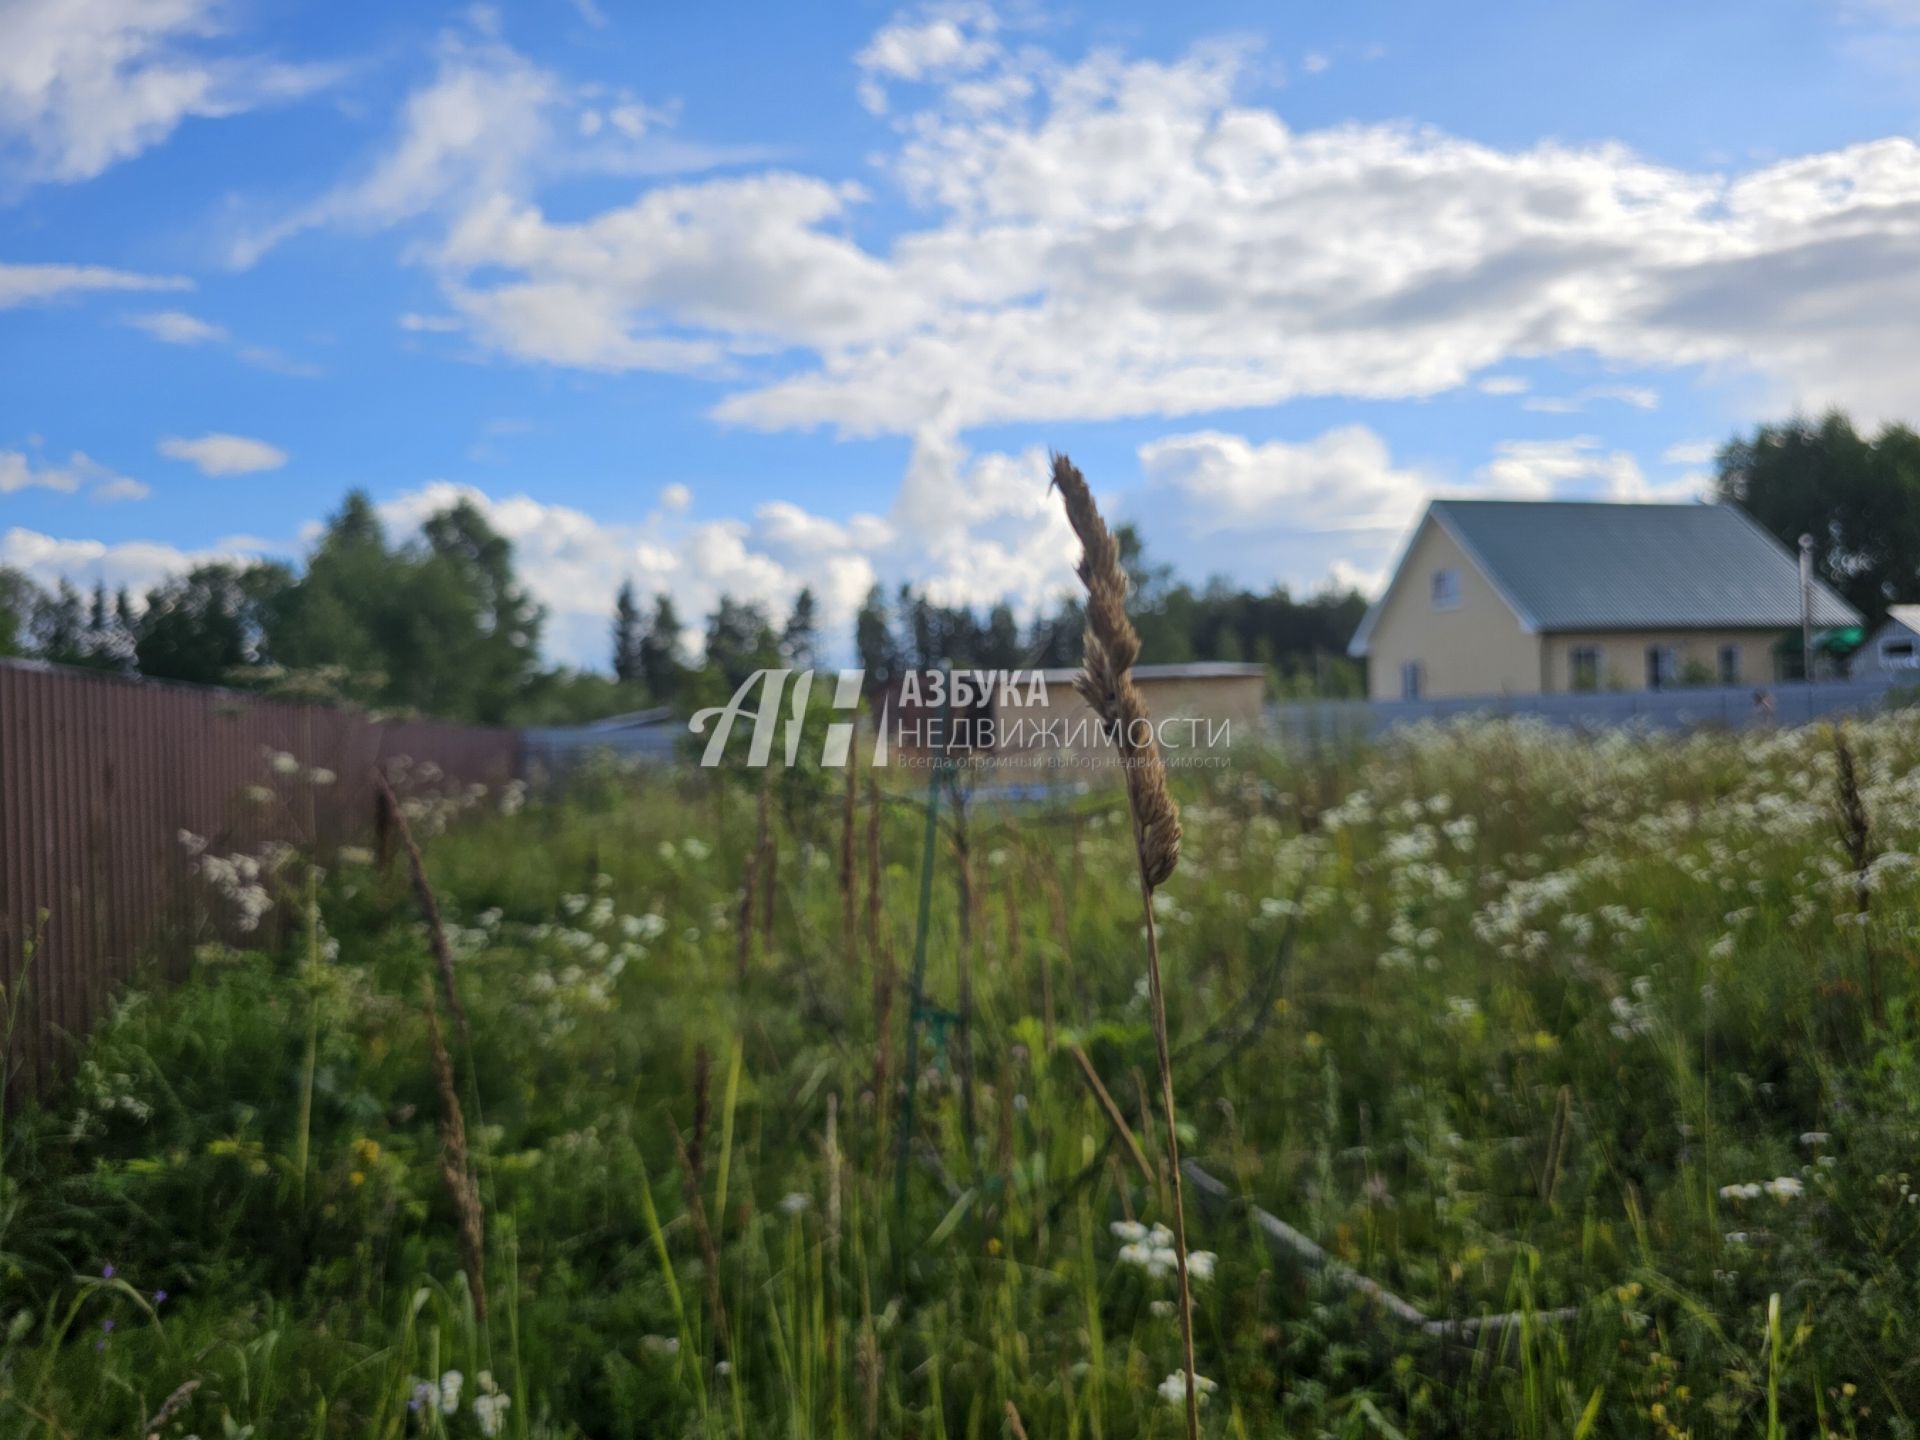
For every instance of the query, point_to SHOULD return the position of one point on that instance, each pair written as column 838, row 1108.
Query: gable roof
column 1584, row 565
column 1907, row 615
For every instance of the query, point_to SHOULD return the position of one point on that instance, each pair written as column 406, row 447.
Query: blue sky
column 801, row 295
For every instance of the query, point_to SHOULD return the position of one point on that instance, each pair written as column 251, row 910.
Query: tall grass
column 1546, row 1022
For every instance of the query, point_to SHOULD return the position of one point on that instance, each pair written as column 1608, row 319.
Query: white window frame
column 1413, row 680
column 1443, row 588
column 1889, row 661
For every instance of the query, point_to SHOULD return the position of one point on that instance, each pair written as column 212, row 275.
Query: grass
column 1503, row 1018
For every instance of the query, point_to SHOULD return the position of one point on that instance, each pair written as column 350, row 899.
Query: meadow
column 1612, row 1038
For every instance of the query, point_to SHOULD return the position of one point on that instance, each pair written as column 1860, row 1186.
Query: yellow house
column 1518, row 597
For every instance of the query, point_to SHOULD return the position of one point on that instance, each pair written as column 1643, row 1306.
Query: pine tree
column 629, row 637
column 660, row 663
column 800, row 638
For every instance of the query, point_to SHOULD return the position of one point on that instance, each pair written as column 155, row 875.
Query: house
column 1516, row 597
column 1893, row 651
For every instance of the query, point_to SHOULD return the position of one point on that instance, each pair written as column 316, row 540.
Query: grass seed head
column 1106, row 682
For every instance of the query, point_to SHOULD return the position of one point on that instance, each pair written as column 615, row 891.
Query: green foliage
column 1504, row 1018
column 209, row 625
column 440, row 626
column 1858, row 498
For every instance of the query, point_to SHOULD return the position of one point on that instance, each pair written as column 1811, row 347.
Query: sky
column 744, row 299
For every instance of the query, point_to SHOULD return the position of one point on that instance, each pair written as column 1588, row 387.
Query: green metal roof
column 1578, row 565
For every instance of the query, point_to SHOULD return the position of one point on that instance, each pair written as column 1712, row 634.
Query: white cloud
column 1575, row 468
column 1503, row 385
column 950, row 39
column 28, row 284
column 967, row 529
column 1315, row 63
column 220, row 454
column 1219, row 504
column 120, row 488
column 22, row 471
column 430, row 324
column 1691, row 452
column 1110, row 238
column 486, row 129
column 1640, row 397
column 176, row 327
column 85, row 84
column 1342, row 480
column 137, row 564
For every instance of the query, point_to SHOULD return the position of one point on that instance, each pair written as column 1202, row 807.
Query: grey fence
column 1677, row 709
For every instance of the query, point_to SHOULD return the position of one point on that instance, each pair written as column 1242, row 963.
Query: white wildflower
column 1173, row 1389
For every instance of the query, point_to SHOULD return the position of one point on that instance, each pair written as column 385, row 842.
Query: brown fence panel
column 100, row 777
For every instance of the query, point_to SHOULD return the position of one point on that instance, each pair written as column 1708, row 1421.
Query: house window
column 1729, row 664
column 1897, row 655
column 1410, row 680
column 1583, row 667
column 1662, row 667
column 1446, row 589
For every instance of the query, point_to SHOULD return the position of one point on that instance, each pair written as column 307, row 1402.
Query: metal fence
column 1679, row 709
column 99, row 778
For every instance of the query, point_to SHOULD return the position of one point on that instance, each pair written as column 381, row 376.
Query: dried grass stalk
column 750, row 880
column 1115, row 1119
column 170, row 1407
column 880, row 951
column 1111, row 648
column 429, row 906
column 456, row 1165
column 703, row 1235
column 849, row 866
column 1856, row 835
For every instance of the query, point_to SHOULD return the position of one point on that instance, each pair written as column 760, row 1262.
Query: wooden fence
column 102, row 782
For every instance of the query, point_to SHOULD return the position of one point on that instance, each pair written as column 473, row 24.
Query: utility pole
column 1806, row 608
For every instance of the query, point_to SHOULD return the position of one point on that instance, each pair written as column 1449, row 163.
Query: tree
column 208, row 624
column 109, row 631
column 59, row 626
column 1859, row 499
column 339, row 620
column 661, row 664
column 491, row 646
column 629, row 635
column 1000, row 647
column 740, row 640
column 801, row 636
column 873, row 639
column 19, row 599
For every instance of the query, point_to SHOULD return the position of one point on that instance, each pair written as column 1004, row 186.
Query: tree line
column 440, row 623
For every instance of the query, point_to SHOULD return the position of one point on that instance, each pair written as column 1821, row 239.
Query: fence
column 99, row 777
column 1679, row 709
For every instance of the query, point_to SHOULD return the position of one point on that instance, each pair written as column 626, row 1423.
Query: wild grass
column 1503, row 1019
